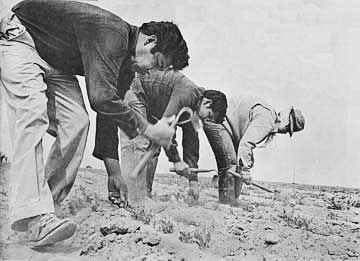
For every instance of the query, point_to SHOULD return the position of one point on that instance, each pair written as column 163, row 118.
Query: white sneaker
column 48, row 229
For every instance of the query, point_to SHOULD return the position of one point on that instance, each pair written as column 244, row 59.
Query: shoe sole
column 62, row 232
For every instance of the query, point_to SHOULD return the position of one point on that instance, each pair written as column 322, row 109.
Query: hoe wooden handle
column 142, row 162
column 154, row 147
column 195, row 170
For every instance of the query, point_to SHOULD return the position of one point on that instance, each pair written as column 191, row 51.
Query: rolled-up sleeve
column 106, row 138
column 260, row 129
column 190, row 143
column 172, row 153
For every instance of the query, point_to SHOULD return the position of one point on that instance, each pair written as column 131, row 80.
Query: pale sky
column 302, row 53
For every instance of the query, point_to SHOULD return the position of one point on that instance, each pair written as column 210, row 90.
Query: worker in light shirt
column 250, row 123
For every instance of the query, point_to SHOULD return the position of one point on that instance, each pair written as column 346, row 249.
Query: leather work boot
column 48, row 229
column 226, row 188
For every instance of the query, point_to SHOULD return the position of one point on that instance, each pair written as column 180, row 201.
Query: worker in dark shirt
column 43, row 45
column 155, row 95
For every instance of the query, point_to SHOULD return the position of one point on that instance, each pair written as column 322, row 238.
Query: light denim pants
column 39, row 99
column 132, row 150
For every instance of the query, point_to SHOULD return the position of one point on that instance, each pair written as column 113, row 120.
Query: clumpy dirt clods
column 298, row 223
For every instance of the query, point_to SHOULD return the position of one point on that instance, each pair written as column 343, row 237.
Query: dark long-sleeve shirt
column 163, row 93
column 82, row 39
column 166, row 93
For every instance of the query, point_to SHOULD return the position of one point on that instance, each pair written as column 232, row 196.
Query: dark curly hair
column 219, row 104
column 170, row 42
